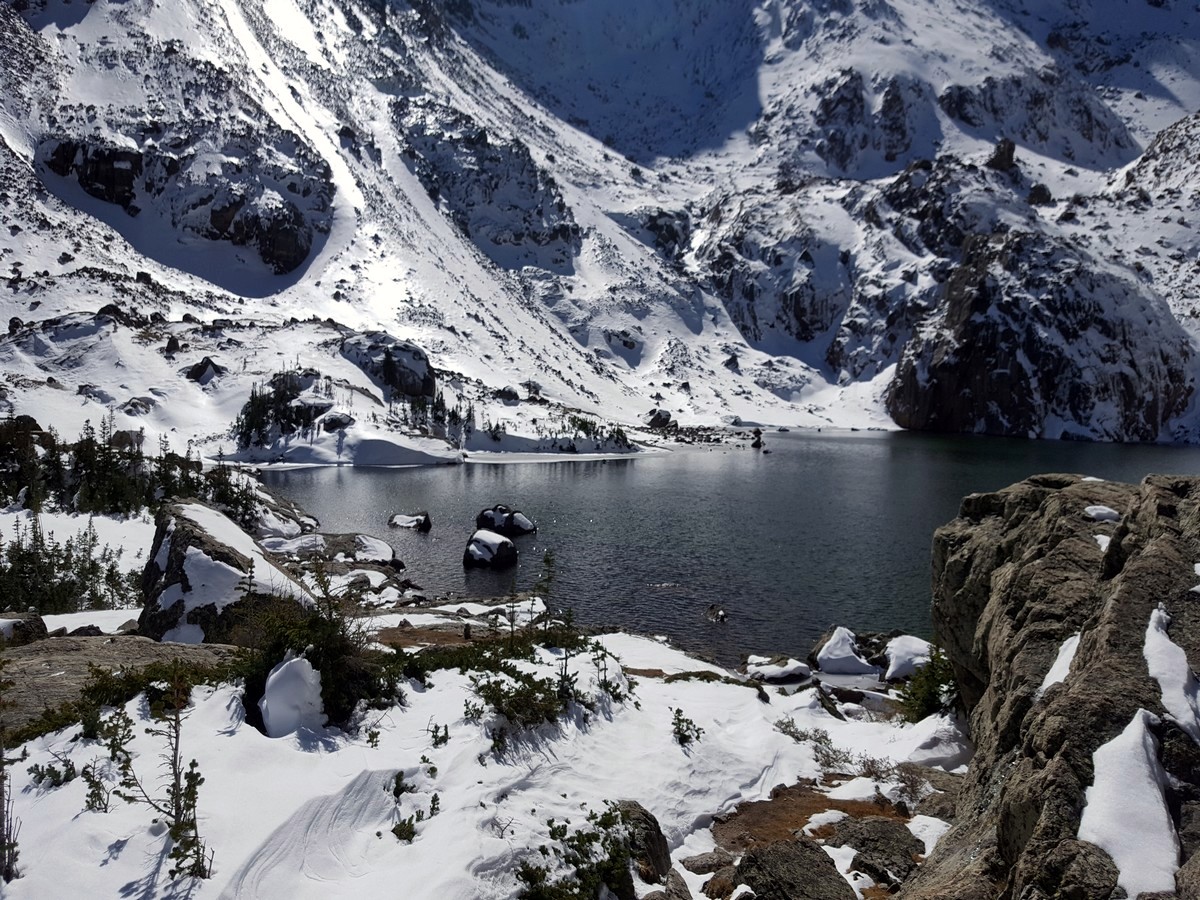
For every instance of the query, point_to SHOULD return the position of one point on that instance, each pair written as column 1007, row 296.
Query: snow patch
column 1061, row 666
column 905, row 654
column 292, row 699
column 1126, row 810
column 1168, row 665
column 840, row 656
column 1102, row 513
column 941, row 743
column 762, row 667
column 928, row 829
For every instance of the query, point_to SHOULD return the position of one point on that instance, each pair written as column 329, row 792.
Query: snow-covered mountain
column 976, row 216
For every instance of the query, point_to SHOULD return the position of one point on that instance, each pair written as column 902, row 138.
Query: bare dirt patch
column 788, row 810
column 644, row 673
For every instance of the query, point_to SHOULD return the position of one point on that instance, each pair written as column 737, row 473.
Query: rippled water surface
column 824, row 529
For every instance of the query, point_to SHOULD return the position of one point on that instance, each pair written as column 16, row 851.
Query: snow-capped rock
column 201, row 564
column 488, row 550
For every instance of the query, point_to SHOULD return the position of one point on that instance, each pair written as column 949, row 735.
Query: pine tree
column 10, row 826
column 190, row 855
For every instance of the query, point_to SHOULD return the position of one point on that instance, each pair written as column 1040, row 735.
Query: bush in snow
column 9, row 824
column 931, row 690
column 178, row 805
column 350, row 671
column 594, row 861
column 685, row 729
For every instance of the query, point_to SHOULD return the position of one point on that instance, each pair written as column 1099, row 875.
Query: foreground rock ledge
column 1018, row 573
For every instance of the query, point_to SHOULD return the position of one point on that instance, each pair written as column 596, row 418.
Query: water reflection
column 826, row 529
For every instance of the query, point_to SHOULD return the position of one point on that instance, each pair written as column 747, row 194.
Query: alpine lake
column 827, row 528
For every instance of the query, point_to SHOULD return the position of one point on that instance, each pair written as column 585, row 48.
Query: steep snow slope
column 724, row 210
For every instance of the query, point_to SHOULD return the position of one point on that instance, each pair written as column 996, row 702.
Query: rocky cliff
column 1067, row 607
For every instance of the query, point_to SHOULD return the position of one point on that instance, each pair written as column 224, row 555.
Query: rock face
column 1012, row 326
column 201, row 567
column 1015, row 576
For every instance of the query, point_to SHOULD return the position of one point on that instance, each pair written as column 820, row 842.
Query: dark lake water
column 826, row 529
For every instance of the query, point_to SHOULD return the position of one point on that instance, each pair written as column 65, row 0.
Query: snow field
column 309, row 814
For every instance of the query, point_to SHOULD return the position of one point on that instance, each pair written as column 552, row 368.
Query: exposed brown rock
column 1015, row 575
column 49, row 673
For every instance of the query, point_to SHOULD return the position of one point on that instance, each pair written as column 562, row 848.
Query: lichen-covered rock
column 1015, row 576
column 48, row 674
column 647, row 846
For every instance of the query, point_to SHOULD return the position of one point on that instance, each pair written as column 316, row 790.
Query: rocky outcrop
column 1047, row 109
column 792, row 870
column 1019, row 573
column 202, row 568
column 884, row 848
column 19, row 630
column 851, row 127
column 275, row 205
column 1034, row 339
column 647, row 846
column 400, row 365
column 47, row 674
column 205, row 371
column 495, row 192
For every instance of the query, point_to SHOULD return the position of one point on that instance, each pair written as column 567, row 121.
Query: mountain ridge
column 777, row 234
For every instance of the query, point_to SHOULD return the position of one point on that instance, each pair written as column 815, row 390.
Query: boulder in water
column 489, row 550
column 505, row 521
column 418, row 521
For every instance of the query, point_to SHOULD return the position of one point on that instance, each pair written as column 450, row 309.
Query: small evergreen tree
column 10, row 826
column 189, row 854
